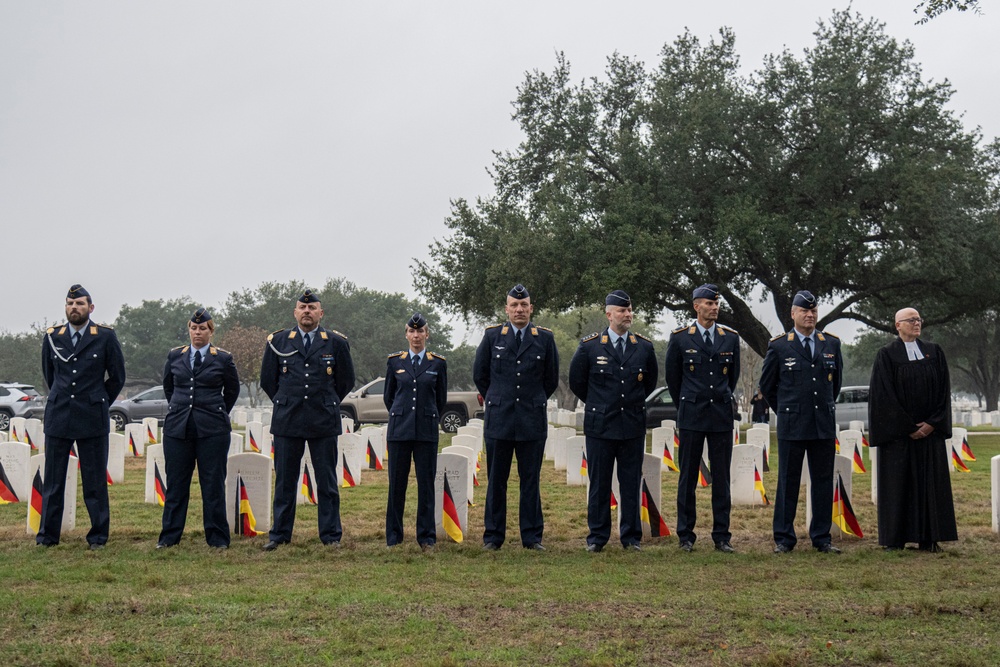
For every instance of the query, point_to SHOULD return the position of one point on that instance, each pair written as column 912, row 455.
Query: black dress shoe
column 827, row 549
column 725, row 547
column 219, row 547
column 94, row 546
column 631, row 547
column 163, row 545
column 427, row 548
column 333, row 544
column 271, row 545
column 932, row 547
column 45, row 544
column 491, row 546
column 535, row 546
column 782, row 549
column 595, row 548
column 687, row 546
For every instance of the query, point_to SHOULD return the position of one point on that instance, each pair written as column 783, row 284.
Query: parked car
column 852, row 405
column 148, row 403
column 659, row 406
column 19, row 400
column 365, row 406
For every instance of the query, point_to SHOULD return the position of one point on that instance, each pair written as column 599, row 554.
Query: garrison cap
column 618, row 298
column 308, row 297
column 201, row 315
column 706, row 291
column 77, row 292
column 804, row 299
column 519, row 291
column 417, row 321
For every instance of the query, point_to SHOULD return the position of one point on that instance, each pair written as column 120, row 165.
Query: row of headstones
column 972, row 418
column 241, row 416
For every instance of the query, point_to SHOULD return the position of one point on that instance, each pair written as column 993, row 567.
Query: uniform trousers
column 424, row 455
column 601, row 456
column 288, row 452
column 499, row 455
column 94, row 475
column 720, row 457
column 211, row 454
column 790, row 453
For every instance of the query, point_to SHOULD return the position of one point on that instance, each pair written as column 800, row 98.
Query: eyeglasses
column 912, row 320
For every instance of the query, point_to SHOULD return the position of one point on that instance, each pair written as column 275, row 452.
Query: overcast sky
column 154, row 150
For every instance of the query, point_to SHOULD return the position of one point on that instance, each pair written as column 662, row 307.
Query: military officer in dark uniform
column 516, row 370
column 201, row 385
column 416, row 390
column 306, row 372
column 702, row 367
column 800, row 380
column 84, row 368
column 612, row 372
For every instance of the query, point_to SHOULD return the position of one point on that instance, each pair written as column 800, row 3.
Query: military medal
column 725, row 369
column 692, row 367
column 329, row 370
column 284, row 369
column 829, row 378
column 639, row 378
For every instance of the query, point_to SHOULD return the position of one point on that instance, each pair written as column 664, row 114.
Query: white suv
column 19, row 400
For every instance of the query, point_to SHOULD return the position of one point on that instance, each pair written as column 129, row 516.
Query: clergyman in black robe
column 909, row 413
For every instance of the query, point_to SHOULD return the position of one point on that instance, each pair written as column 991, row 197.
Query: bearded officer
column 307, row 370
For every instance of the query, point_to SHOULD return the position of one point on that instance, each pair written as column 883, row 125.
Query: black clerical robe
column 914, row 482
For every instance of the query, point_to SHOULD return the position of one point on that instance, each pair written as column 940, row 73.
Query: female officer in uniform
column 201, row 384
column 416, row 389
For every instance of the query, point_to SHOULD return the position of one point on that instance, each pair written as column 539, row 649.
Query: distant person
column 613, row 372
column 516, row 370
column 416, row 391
column 801, row 378
column 307, row 370
column 759, row 411
column 201, row 385
column 84, row 368
column 701, row 370
column 909, row 412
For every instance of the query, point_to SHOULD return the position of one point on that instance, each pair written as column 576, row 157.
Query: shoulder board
column 177, row 348
column 831, row 335
column 729, row 329
column 545, row 329
column 214, row 351
column 395, row 354
column 106, row 326
column 223, row 351
column 432, row 355
column 778, row 337
column 679, row 329
column 493, row 327
column 590, row 337
column 338, row 333
column 639, row 335
column 273, row 334
column 50, row 330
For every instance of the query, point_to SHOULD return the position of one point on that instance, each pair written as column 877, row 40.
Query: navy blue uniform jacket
column 306, row 389
column 83, row 382
column 415, row 398
column 516, row 386
column 701, row 377
column 803, row 391
column 614, row 391
column 206, row 395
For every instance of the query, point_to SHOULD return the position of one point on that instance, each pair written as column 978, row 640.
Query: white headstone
column 476, row 422
column 116, row 457
column 470, row 454
column 576, row 450
column 3, row 436
column 651, row 487
column 663, row 445
column 254, row 416
column 975, row 418
column 37, row 464
column 761, row 437
column 873, row 469
column 15, row 459
column 346, row 425
column 17, row 431
column 35, row 433
column 746, row 469
column 351, row 449
column 135, row 440
column 995, row 485
column 255, row 440
column 850, row 445
column 842, row 467
column 669, row 423
column 151, row 429
column 235, row 443
column 307, row 480
column 560, row 436
column 455, row 467
column 959, row 437
column 471, row 442
column 265, row 417
column 239, row 417
column 374, row 447
column 255, row 471
column 856, row 425
column 550, row 454
column 155, row 465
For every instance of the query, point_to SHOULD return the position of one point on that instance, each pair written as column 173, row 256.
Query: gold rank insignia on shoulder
column 50, row 330
column 213, row 350
column 778, row 337
column 176, row 348
column 271, row 335
column 832, row 335
column 639, row 335
column 678, row 330
column 93, row 331
column 545, row 329
column 322, row 334
column 729, row 329
column 434, row 355
column 292, row 334
column 604, row 339
column 534, row 331
column 503, row 332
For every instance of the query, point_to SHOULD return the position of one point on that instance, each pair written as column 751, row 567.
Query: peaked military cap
column 519, row 291
column 201, row 315
column 706, row 291
column 416, row 321
column 618, row 298
column 308, row 297
column 804, row 299
column 77, row 292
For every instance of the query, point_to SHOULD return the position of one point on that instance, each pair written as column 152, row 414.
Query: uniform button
column 306, row 386
column 516, row 400
column 711, row 387
column 414, row 398
column 413, row 408
column 307, row 365
column 518, row 375
column 711, row 373
column 192, row 379
column 307, row 374
column 72, row 395
column 74, row 370
column 74, row 384
column 623, row 396
column 518, row 361
column 305, row 397
column 498, row 356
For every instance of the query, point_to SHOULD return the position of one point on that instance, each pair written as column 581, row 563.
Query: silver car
column 19, row 400
column 852, row 405
column 148, row 403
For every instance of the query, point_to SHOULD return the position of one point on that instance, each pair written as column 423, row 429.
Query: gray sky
column 162, row 149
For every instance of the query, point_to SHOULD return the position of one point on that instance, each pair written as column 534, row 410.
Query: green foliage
column 972, row 346
column 20, row 358
column 859, row 357
column 934, row 8
column 148, row 331
column 840, row 171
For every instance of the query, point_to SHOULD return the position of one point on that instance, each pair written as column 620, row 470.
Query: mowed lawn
column 367, row 605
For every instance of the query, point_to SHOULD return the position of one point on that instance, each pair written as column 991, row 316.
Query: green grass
column 364, row 604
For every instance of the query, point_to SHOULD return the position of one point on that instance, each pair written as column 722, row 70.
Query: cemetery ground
column 364, row 604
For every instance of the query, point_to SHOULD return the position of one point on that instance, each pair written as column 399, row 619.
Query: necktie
column 197, row 359
column 517, row 341
column 620, row 346
column 416, row 361
column 806, row 343
column 76, row 338
column 708, row 338
column 306, row 342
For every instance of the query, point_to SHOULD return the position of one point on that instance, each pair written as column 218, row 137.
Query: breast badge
column 329, row 370
column 639, row 378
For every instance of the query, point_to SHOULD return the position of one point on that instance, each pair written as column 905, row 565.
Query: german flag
column 131, row 445
column 246, row 525
column 704, row 474
column 843, row 513
column 159, row 488
column 35, row 507
column 27, row 439
column 150, row 436
column 668, row 460
column 736, row 436
column 108, row 474
column 859, row 464
column 758, row 485
column 836, row 442
column 614, row 501
column 583, row 465
column 13, row 434
column 864, row 441
column 7, row 494
column 767, row 464
column 967, row 451
column 72, row 452
column 651, row 515
column 348, row 480
column 373, row 462
column 449, row 513
column 957, row 461
column 253, row 442
column 475, row 477
column 307, row 487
